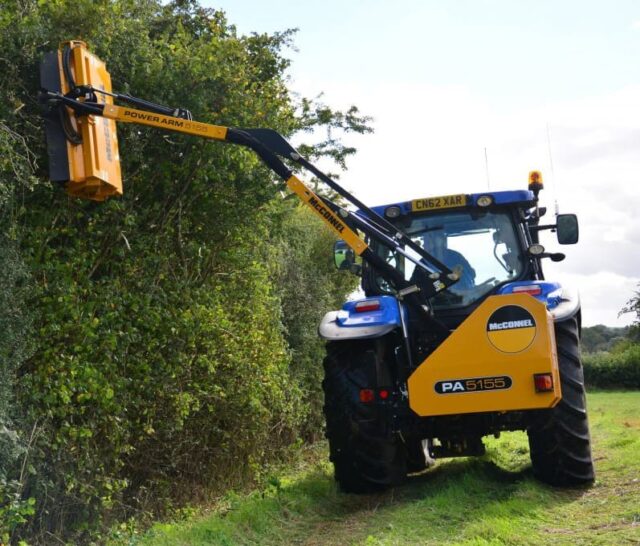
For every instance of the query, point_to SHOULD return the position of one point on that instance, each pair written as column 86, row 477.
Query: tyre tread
column 559, row 440
column 366, row 458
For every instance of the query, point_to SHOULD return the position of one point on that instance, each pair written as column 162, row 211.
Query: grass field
column 487, row 501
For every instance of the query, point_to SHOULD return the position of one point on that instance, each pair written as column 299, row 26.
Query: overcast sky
column 445, row 80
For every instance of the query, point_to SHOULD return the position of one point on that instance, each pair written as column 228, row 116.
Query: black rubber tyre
column 366, row 456
column 559, row 439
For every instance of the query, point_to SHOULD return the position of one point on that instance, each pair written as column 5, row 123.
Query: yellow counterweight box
column 491, row 361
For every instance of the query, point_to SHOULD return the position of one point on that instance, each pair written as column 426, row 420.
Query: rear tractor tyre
column 559, row 439
column 366, row 455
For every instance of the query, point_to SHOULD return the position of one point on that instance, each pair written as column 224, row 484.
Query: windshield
column 482, row 246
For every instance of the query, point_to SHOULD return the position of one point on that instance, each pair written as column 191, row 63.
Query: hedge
column 613, row 370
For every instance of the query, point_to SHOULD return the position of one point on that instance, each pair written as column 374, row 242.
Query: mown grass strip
column 481, row 501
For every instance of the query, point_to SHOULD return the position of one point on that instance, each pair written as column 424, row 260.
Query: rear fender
column 348, row 323
column 561, row 302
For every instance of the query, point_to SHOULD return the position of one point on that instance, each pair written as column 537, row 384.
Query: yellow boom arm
column 92, row 169
column 83, row 153
column 218, row 132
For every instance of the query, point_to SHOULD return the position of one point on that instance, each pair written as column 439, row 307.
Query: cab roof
column 524, row 198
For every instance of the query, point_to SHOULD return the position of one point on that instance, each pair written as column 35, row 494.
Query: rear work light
column 392, row 212
column 368, row 305
column 532, row 289
column 543, row 382
column 484, row 201
column 535, row 249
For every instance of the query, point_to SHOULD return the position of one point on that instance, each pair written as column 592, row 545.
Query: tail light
column 532, row 289
column 367, row 305
column 543, row 382
column 367, row 395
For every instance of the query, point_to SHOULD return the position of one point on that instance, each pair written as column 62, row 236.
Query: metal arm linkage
column 270, row 146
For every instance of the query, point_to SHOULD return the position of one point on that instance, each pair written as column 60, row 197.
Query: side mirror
column 343, row 256
column 567, row 229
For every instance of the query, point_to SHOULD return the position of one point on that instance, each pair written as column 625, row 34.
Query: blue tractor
column 499, row 351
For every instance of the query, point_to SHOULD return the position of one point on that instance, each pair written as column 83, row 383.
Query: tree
column 601, row 338
column 633, row 306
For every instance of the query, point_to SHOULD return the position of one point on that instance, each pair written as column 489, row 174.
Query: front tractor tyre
column 367, row 457
column 559, row 439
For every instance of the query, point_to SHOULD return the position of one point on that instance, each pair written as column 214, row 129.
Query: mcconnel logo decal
column 511, row 329
column 327, row 214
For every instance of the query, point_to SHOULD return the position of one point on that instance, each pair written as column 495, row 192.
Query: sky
column 467, row 95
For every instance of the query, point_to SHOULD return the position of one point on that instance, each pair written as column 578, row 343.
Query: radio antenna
column 486, row 164
column 553, row 174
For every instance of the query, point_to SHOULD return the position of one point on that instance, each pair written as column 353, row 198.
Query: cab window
column 482, row 246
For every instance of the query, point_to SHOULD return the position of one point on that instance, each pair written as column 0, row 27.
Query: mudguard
column 348, row 323
column 561, row 302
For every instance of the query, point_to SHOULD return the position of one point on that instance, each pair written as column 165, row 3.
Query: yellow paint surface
column 470, row 353
column 334, row 221
column 94, row 165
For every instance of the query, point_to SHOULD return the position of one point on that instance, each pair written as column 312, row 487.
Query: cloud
column 581, row 147
column 602, row 296
column 431, row 139
column 635, row 25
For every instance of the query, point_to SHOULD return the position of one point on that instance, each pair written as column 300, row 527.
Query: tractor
column 501, row 352
column 459, row 335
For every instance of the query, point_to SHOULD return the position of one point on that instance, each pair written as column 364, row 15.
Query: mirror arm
column 545, row 226
column 555, row 256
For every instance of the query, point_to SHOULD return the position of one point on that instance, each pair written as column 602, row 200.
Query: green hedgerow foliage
column 308, row 287
column 618, row 366
column 163, row 345
column 15, row 507
column 617, row 369
column 16, row 176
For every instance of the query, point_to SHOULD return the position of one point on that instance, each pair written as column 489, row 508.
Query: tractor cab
column 489, row 241
column 483, row 245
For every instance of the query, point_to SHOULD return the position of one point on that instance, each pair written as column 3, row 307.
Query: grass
column 492, row 500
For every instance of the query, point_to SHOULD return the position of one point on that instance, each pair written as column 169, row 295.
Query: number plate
column 442, row 202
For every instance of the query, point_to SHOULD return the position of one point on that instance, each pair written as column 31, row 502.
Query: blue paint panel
column 404, row 207
column 506, row 197
column 510, row 197
column 551, row 294
column 387, row 314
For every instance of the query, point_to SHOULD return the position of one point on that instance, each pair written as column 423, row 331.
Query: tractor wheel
column 559, row 439
column 366, row 456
